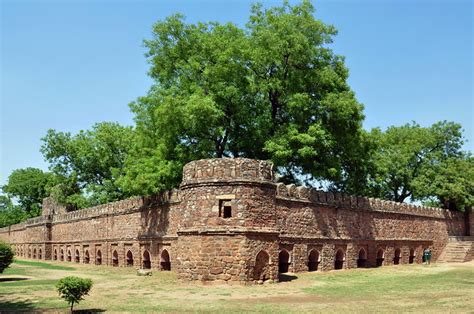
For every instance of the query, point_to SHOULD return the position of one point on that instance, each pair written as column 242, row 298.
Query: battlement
column 233, row 215
column 15, row 227
column 119, row 207
column 301, row 193
column 227, row 170
column 113, row 208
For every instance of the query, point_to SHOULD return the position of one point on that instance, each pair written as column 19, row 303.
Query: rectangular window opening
column 225, row 209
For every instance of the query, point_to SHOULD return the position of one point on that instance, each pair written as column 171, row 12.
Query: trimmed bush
column 6, row 256
column 73, row 289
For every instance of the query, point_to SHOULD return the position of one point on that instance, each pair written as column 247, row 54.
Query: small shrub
column 6, row 256
column 73, row 289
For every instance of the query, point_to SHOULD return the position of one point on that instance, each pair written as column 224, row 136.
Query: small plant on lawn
column 6, row 256
column 73, row 289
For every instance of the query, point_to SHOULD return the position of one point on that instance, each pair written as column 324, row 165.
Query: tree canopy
column 448, row 184
column 271, row 90
column 90, row 163
column 417, row 162
column 29, row 186
column 9, row 213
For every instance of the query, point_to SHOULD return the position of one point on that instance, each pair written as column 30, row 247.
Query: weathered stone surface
column 230, row 221
column 144, row 272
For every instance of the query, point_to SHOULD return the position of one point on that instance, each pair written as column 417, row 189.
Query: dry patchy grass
column 404, row 288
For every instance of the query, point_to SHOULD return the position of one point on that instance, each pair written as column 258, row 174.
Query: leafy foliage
column 449, row 184
column 272, row 90
column 10, row 214
column 6, row 256
column 29, row 186
column 90, row 162
column 73, row 289
column 409, row 158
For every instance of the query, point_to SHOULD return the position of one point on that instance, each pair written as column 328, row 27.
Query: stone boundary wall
column 335, row 199
column 113, row 208
column 231, row 221
column 215, row 170
column 285, row 192
column 119, row 207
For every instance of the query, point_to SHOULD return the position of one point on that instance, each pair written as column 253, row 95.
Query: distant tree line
column 271, row 90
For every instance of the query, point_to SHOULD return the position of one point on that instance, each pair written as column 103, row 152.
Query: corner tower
column 228, row 227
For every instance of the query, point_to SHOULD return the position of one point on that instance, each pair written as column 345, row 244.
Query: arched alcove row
column 341, row 258
column 319, row 256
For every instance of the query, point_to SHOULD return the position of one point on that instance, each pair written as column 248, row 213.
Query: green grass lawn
column 29, row 285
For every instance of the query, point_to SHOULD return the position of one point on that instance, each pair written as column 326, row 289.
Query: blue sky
column 69, row 64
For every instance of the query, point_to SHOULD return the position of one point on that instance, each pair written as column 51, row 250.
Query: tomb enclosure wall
column 231, row 222
column 336, row 221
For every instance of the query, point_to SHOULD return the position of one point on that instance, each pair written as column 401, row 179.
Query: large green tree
column 410, row 154
column 449, row 183
column 271, row 90
column 90, row 163
column 9, row 213
column 29, row 186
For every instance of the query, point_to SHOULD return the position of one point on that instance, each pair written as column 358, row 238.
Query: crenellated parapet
column 336, row 199
column 120, row 207
column 38, row 220
column 15, row 227
column 231, row 221
column 109, row 209
column 227, row 170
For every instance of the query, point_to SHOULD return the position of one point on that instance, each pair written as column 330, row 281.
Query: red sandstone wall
column 14, row 234
column 220, row 257
column 136, row 224
column 117, row 221
column 121, row 226
column 266, row 217
column 246, row 184
column 252, row 206
column 321, row 217
column 210, row 257
column 309, row 219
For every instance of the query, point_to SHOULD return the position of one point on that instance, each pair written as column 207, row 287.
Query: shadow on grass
column 42, row 265
column 16, row 305
column 13, row 279
column 286, row 277
column 89, row 311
